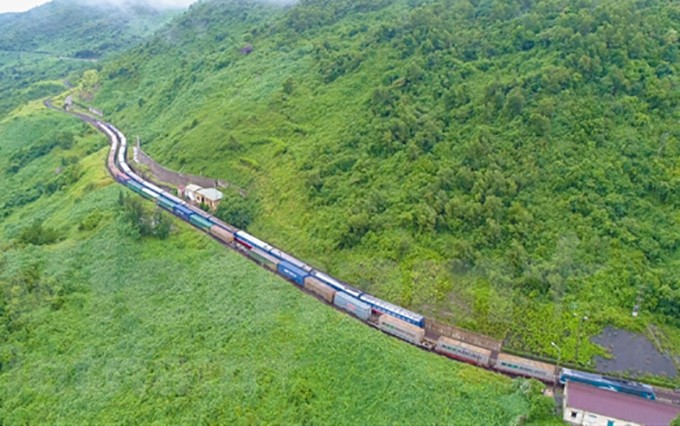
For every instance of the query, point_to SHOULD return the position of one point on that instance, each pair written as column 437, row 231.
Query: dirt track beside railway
column 170, row 177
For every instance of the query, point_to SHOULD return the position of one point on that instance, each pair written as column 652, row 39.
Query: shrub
column 38, row 235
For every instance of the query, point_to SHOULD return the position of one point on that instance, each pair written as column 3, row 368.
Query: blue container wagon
column 182, row 212
column 293, row 272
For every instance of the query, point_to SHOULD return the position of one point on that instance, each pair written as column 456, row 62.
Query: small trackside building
column 197, row 195
column 209, row 196
column 587, row 405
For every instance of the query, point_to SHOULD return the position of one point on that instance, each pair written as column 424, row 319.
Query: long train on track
column 395, row 320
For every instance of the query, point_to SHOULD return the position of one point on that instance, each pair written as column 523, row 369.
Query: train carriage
column 292, row 272
column 401, row 329
column 182, row 212
column 290, row 259
column 149, row 194
column 270, row 262
column 463, row 351
column 223, row 225
column 249, row 241
column 134, row 186
column 610, row 383
column 320, row 289
column 172, row 198
column 352, row 305
column 394, row 310
column 337, row 285
column 526, row 367
column 200, row 222
column 197, row 211
column 166, row 204
column 153, row 187
column 221, row 234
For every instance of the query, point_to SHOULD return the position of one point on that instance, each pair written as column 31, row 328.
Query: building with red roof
column 588, row 405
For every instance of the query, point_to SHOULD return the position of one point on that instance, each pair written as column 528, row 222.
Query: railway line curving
column 394, row 320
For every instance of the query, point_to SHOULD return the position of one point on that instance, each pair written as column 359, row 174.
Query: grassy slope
column 101, row 327
column 581, row 213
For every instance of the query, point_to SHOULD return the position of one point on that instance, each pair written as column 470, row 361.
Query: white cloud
column 19, row 5
column 156, row 4
column 24, row 5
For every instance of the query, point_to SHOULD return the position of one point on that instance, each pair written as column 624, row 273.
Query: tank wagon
column 395, row 320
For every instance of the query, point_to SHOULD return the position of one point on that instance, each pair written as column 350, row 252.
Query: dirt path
column 180, row 179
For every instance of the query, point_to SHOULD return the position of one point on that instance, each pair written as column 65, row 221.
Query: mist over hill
column 68, row 26
column 50, row 42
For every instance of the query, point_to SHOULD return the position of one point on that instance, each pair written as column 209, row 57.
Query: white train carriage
column 290, row 259
column 336, row 284
column 251, row 241
column 394, row 310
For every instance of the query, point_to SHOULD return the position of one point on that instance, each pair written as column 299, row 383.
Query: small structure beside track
column 588, row 405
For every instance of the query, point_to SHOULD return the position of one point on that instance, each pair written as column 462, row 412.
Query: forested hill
column 79, row 28
column 40, row 48
column 509, row 166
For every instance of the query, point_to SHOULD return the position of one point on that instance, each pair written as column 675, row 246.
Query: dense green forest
column 508, row 166
column 102, row 321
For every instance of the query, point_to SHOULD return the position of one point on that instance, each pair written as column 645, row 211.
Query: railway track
column 433, row 333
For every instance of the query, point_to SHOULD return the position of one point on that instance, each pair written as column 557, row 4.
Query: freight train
column 394, row 320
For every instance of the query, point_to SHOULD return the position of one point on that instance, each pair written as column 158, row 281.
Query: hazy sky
column 23, row 5
column 19, row 5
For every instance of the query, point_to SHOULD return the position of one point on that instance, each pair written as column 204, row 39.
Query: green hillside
column 80, row 29
column 48, row 43
column 99, row 325
column 507, row 166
